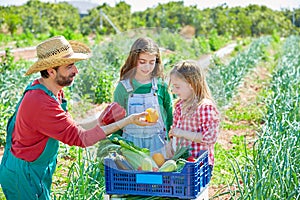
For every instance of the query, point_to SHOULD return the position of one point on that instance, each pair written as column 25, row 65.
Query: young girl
column 141, row 86
column 196, row 118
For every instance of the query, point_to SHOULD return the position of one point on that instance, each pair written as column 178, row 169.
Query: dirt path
column 204, row 60
column 28, row 53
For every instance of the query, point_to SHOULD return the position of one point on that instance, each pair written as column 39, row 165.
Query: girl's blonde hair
column 195, row 75
column 141, row 45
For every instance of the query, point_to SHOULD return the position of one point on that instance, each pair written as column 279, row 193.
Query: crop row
column 225, row 79
column 272, row 168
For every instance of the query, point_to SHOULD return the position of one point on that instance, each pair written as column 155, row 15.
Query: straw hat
column 57, row 51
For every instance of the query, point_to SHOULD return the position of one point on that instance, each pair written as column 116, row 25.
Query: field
column 255, row 84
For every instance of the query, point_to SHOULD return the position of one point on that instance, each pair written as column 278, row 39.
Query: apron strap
column 154, row 84
column 12, row 119
column 127, row 85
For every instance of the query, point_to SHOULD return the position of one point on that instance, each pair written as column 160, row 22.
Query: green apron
column 28, row 180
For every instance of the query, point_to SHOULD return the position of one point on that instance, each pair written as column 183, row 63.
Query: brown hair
column 195, row 75
column 141, row 45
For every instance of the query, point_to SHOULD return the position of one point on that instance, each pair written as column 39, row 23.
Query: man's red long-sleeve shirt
column 41, row 117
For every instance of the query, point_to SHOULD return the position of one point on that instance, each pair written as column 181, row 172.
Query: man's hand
column 137, row 119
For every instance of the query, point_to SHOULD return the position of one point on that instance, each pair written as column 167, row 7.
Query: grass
column 251, row 114
column 234, row 127
column 79, row 176
column 1, row 194
column 222, row 170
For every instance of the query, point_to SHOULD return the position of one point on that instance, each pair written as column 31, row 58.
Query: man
column 41, row 121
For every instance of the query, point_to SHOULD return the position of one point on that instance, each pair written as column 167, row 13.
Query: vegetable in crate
column 168, row 166
column 137, row 158
column 134, row 154
column 120, row 161
column 180, row 164
column 191, row 159
column 159, row 159
column 112, row 113
column 147, row 164
column 181, row 152
column 105, row 147
column 117, row 139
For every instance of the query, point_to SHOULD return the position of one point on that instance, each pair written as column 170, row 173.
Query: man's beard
column 64, row 81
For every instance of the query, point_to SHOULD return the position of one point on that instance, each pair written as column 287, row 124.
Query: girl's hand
column 139, row 119
column 171, row 133
column 176, row 132
column 189, row 135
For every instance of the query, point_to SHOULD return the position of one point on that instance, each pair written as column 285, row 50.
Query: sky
column 141, row 5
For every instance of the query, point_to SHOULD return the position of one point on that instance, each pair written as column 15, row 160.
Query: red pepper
column 191, row 159
column 112, row 113
column 155, row 169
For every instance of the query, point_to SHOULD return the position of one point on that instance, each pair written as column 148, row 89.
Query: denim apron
column 21, row 179
column 150, row 137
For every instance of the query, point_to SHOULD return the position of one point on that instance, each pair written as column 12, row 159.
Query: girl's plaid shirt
column 204, row 120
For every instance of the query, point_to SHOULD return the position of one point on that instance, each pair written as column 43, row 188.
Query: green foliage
column 12, row 84
column 13, row 21
column 38, row 17
column 204, row 46
column 104, row 88
column 106, row 61
column 120, row 15
column 276, row 36
column 223, row 170
column 215, row 41
column 46, row 15
column 7, row 61
column 235, row 127
column 85, row 178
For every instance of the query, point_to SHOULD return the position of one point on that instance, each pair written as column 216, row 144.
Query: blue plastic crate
column 187, row 184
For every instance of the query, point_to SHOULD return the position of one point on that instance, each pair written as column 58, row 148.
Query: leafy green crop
column 272, row 172
column 13, row 82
